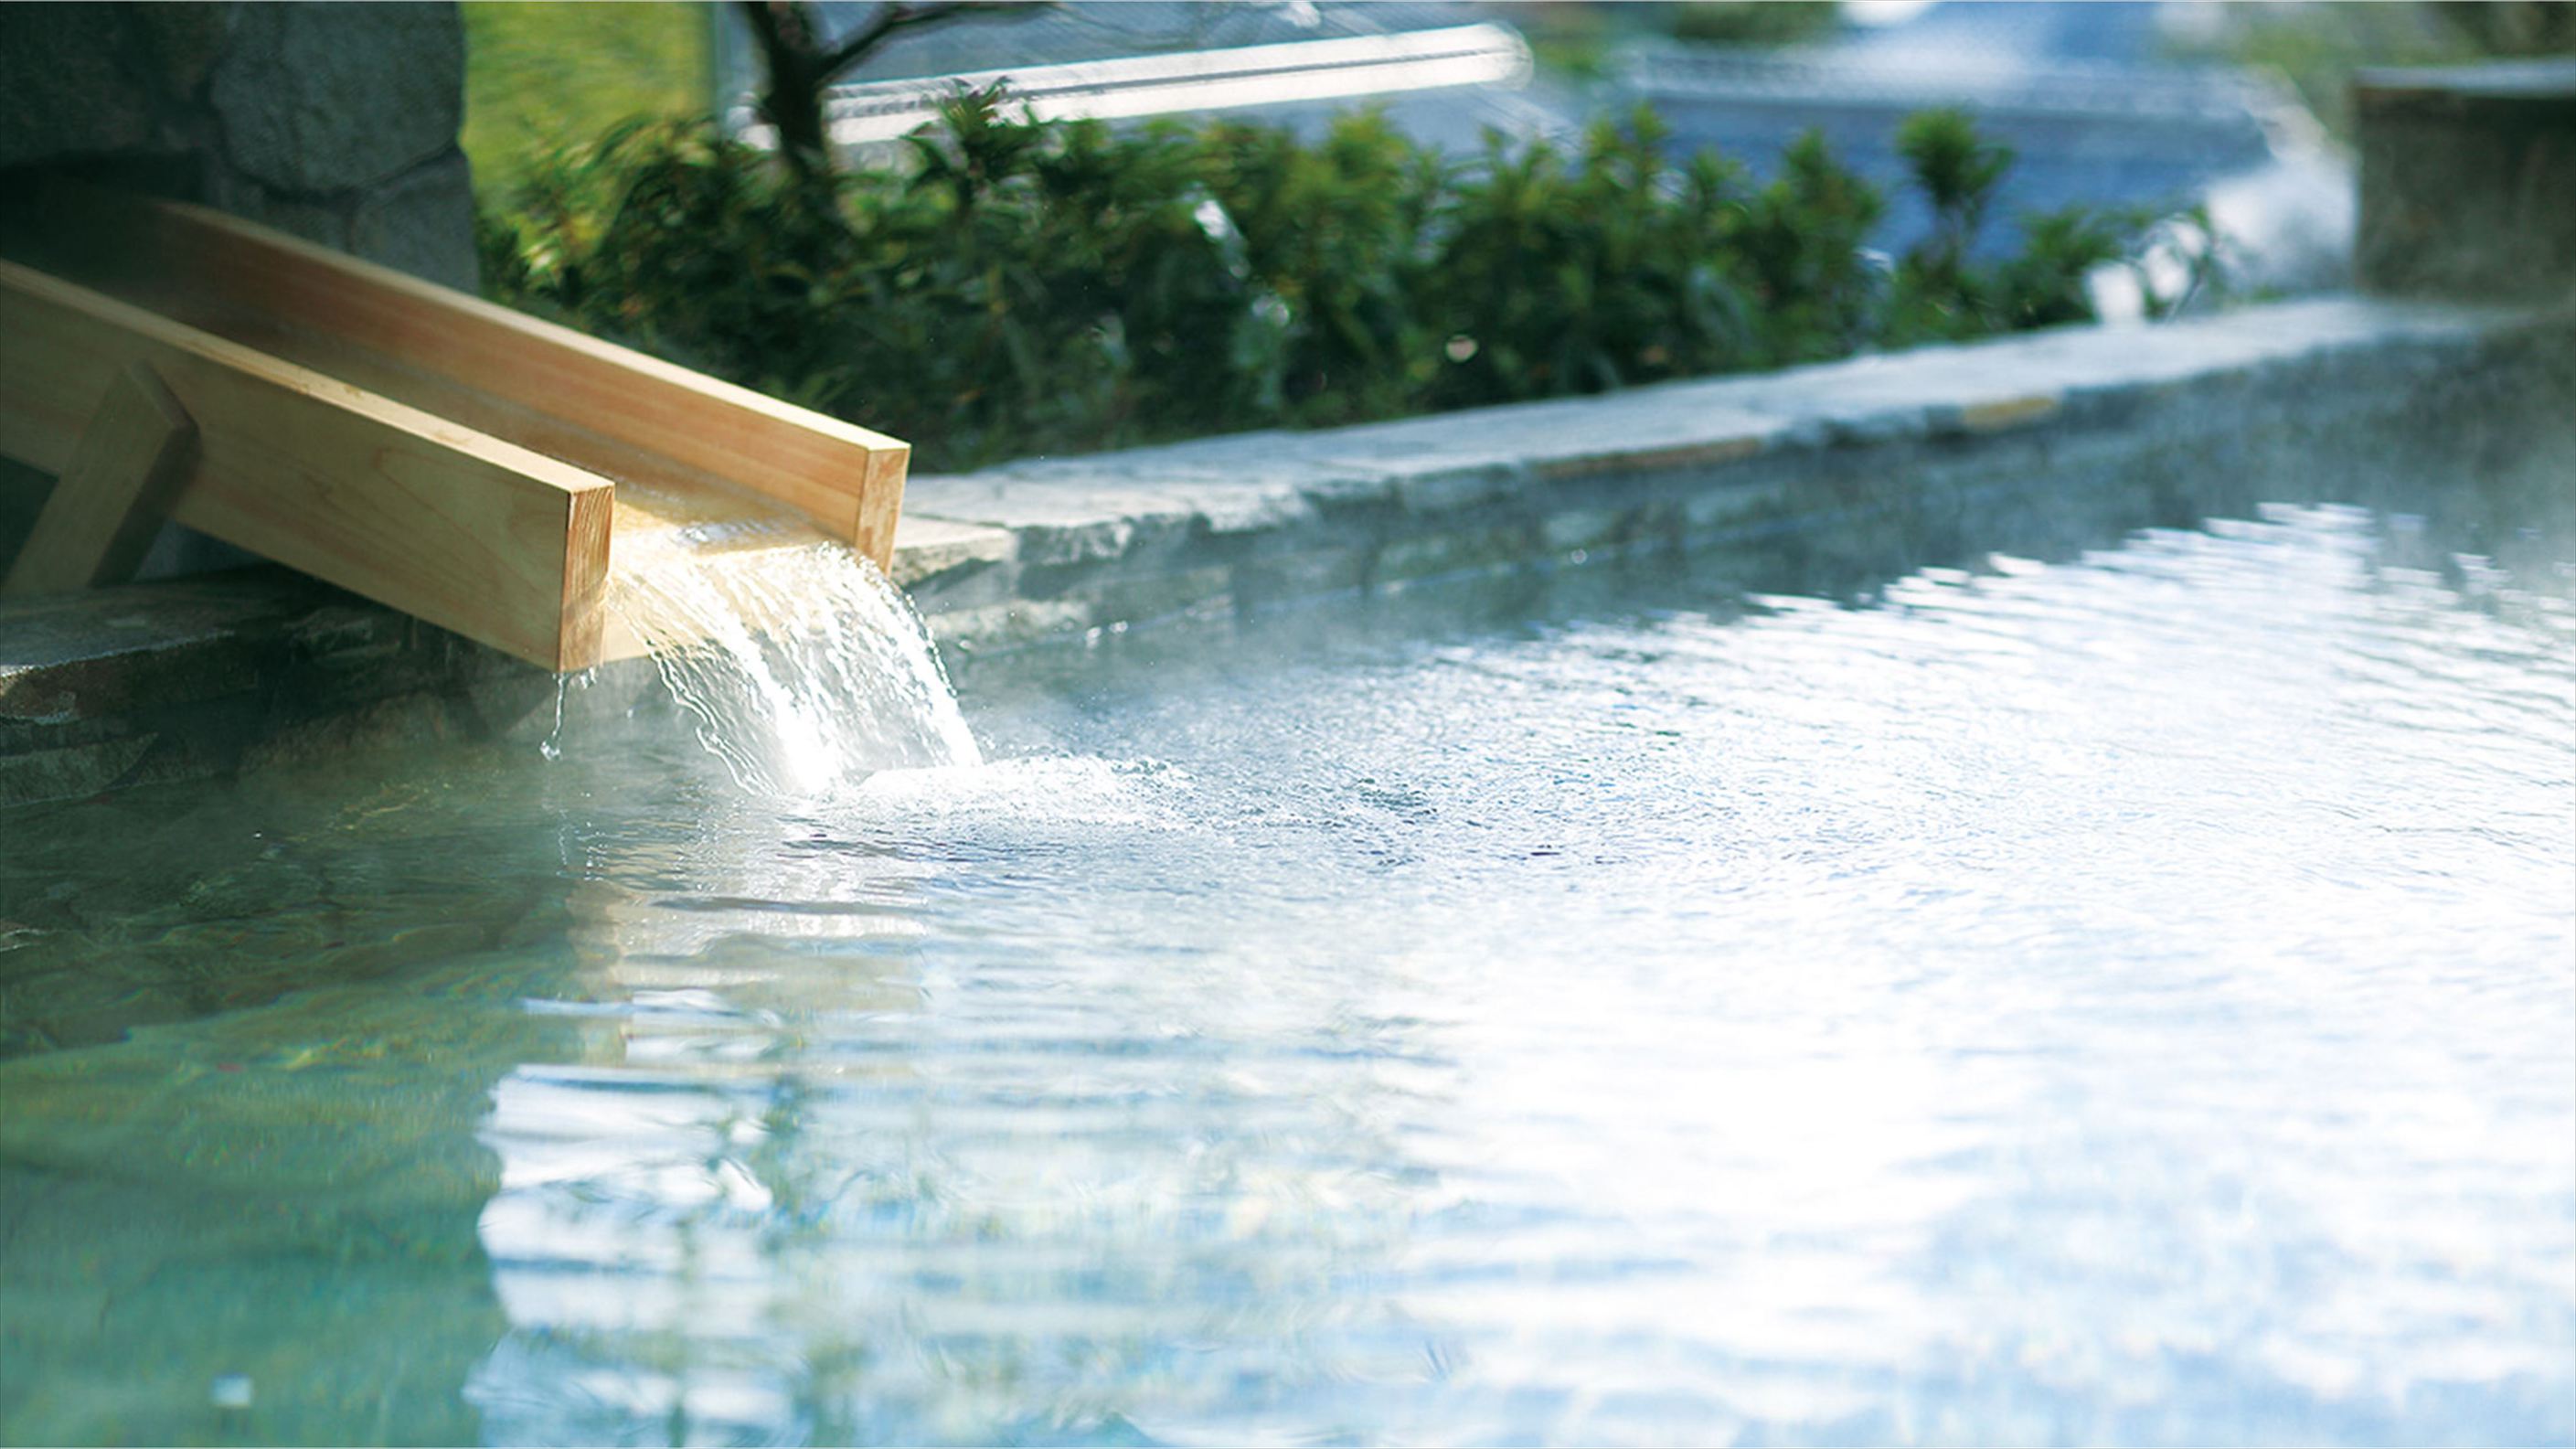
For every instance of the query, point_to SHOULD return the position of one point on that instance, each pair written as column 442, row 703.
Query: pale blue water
column 2129, row 999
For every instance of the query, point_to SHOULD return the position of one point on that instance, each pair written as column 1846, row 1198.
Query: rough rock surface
column 331, row 96
column 71, row 86
column 421, row 222
column 336, row 122
column 333, row 122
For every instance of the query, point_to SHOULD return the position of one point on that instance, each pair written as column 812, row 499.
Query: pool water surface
column 2130, row 998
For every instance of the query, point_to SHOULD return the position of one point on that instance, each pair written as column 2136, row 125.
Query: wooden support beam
column 598, row 406
column 453, row 459
column 473, row 533
column 112, row 497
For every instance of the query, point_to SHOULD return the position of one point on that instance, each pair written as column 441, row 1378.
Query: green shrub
column 1019, row 287
column 1942, row 293
column 1556, row 276
column 1803, row 238
column 1335, row 241
column 1752, row 22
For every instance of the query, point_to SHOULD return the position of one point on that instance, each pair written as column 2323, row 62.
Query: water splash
column 802, row 666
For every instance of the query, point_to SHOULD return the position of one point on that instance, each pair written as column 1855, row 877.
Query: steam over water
column 801, row 665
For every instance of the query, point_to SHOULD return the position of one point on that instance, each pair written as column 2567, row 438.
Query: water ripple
column 2131, row 998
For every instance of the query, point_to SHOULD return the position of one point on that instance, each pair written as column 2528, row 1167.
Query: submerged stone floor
column 2029, row 442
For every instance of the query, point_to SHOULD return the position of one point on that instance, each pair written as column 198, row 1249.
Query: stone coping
column 218, row 673
column 2512, row 84
column 1037, row 519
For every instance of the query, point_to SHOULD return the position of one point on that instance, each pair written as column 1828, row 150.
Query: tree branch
column 800, row 67
column 893, row 17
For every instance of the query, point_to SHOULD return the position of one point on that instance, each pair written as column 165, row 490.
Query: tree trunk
column 801, row 64
column 792, row 101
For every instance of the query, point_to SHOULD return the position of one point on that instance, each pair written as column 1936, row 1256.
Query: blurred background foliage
column 540, row 75
column 1575, row 39
column 1023, row 287
column 1004, row 288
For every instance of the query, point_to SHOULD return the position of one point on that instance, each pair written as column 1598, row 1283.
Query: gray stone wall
column 334, row 121
column 2468, row 180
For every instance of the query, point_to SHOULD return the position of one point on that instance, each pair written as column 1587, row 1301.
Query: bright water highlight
column 800, row 664
column 2128, row 999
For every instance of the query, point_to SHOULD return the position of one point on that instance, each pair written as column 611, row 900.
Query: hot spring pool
column 2124, row 999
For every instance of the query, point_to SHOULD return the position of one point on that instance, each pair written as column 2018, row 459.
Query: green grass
column 540, row 73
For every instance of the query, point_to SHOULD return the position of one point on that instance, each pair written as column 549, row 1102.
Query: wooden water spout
column 459, row 461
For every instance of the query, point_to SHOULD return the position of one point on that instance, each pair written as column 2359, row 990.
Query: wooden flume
column 462, row 462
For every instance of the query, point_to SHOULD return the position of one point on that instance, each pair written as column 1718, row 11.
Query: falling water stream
column 800, row 664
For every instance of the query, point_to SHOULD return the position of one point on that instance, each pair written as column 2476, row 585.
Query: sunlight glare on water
column 2130, row 999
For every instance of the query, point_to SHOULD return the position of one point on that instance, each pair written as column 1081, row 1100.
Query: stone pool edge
column 1241, row 522
column 230, row 672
